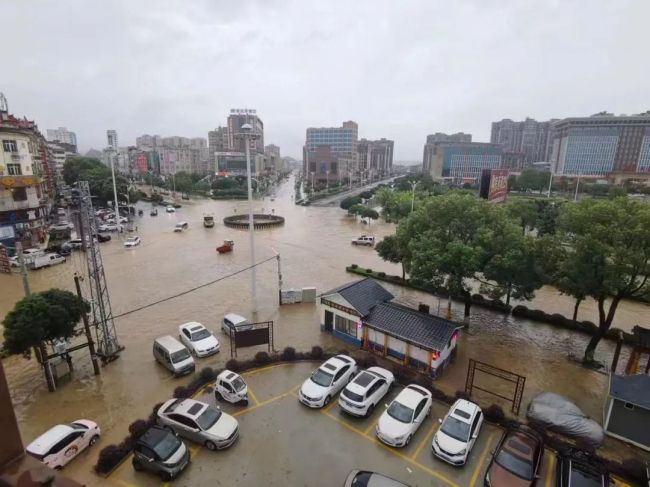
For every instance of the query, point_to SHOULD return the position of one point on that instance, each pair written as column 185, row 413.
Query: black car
column 161, row 452
column 580, row 471
column 102, row 238
column 64, row 249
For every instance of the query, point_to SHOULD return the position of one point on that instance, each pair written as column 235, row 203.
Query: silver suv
column 199, row 422
column 160, row 451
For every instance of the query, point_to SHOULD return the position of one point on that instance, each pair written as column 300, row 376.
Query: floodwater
column 314, row 245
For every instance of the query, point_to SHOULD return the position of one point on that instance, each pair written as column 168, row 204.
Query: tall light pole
column 327, row 182
column 575, row 196
column 117, row 208
column 312, row 182
column 413, row 185
column 247, row 134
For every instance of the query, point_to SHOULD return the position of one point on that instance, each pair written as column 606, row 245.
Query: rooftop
column 362, row 295
column 634, row 389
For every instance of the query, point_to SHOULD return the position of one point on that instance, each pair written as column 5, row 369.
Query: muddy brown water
column 314, row 245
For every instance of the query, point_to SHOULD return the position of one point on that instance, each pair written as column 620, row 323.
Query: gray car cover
column 559, row 414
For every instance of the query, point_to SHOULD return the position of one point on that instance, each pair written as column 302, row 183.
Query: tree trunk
column 508, row 295
column 403, row 271
column 468, row 306
column 604, row 323
column 575, row 309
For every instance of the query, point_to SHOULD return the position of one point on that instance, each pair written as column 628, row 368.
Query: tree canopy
column 99, row 179
column 41, row 317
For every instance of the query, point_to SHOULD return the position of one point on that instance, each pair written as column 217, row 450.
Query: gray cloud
column 400, row 69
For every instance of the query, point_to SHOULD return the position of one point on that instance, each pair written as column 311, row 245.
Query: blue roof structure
column 634, row 389
column 362, row 295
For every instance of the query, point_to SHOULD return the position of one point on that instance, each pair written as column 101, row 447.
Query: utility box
column 291, row 296
column 308, row 294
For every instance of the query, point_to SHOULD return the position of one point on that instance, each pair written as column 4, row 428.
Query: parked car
column 76, row 243
column 180, row 226
column 232, row 321
column 404, row 415
column 102, row 238
column 13, row 261
column 132, row 241
column 199, row 422
column 517, row 459
column 198, row 339
column 160, row 451
column 231, row 387
column 364, row 240
column 173, row 355
column 63, row 249
column 458, row 432
column 575, row 470
column 61, row 443
column 107, row 227
column 47, row 260
column 30, row 254
column 363, row 478
column 326, row 381
column 170, row 209
column 360, row 396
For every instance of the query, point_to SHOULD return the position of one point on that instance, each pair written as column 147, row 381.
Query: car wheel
column 210, row 446
column 165, row 476
column 327, row 401
column 428, row 411
column 218, row 396
column 408, row 440
column 93, row 440
column 371, row 408
column 58, row 467
column 354, row 243
column 137, row 466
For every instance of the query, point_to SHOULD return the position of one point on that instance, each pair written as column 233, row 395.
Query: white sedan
column 327, row 381
column 132, row 242
column 458, row 432
column 404, row 415
column 360, row 396
column 107, row 227
column 60, row 444
column 198, row 339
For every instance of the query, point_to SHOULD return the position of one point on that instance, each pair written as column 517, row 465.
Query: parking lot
column 285, row 443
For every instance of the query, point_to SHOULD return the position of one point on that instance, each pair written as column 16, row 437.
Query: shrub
column 402, row 374
column 354, row 266
column 110, row 457
column 441, row 396
column 591, row 326
column 462, row 395
column 137, row 428
column 182, row 392
column 478, row 297
column 494, row 413
column 262, row 358
column 369, row 271
column 520, row 310
column 365, row 360
column 207, row 374
column 154, row 414
column 316, row 352
column 288, row 354
column 233, row 364
column 631, row 468
column 381, row 274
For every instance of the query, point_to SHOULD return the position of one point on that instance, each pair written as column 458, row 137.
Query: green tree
column 395, row 205
column 41, row 317
column 346, row 203
column 183, row 182
column 548, row 214
column 357, row 209
column 369, row 213
column 617, row 192
column 523, row 211
column 533, row 179
column 611, row 243
column 391, row 249
column 76, row 168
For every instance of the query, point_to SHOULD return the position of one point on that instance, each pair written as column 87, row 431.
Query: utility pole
column 575, row 196
column 247, row 133
column 23, row 268
column 413, row 185
column 84, row 316
column 117, row 208
column 279, row 279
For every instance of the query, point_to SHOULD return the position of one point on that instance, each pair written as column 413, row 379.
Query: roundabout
column 260, row 220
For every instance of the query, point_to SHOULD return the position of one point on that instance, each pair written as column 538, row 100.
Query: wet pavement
column 314, row 245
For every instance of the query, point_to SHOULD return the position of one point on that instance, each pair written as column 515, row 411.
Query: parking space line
column 252, row 394
column 481, row 460
column 261, row 404
column 425, row 440
column 330, row 405
column 373, row 425
column 550, row 470
column 264, row 369
column 430, row 471
column 124, row 483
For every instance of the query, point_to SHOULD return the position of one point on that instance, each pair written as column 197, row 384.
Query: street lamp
column 413, row 185
column 327, row 183
column 312, row 182
column 575, row 196
column 117, row 208
column 247, row 134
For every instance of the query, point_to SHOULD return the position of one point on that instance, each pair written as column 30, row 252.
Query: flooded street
column 314, row 245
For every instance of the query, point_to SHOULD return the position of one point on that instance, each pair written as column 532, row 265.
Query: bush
column 402, row 374
column 365, row 360
column 110, row 457
column 262, row 358
column 153, row 417
column 494, row 414
column 381, row 274
column 182, row 392
column 520, row 310
column 477, row 297
column 369, row 271
column 288, row 354
column 591, row 326
column 462, row 395
column 137, row 428
column 316, row 352
column 207, row 374
column 354, row 266
column 233, row 364
column 632, row 469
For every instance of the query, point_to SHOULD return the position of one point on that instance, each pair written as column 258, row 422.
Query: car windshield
column 166, row 447
column 208, row 418
column 180, row 355
column 131, row 240
column 200, row 335
column 515, row 465
column 400, row 412
column 239, row 384
column 322, row 378
column 353, row 396
column 455, row 428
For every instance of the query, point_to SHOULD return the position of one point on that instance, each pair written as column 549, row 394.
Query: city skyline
column 407, row 77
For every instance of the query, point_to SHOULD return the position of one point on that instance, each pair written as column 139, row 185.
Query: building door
column 329, row 321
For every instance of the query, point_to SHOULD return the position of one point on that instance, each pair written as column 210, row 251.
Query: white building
column 361, row 314
column 62, row 134
column 111, row 139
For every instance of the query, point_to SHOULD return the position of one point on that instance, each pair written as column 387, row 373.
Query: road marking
column 125, row 483
column 261, row 404
column 373, row 425
column 481, row 460
column 252, row 394
column 330, row 405
column 431, row 472
column 425, row 440
column 264, row 369
column 550, row 470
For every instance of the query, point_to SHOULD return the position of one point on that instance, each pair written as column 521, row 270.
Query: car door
column 420, row 414
column 64, row 450
column 186, row 427
column 146, row 457
column 228, row 392
column 473, row 433
column 186, row 338
column 339, row 379
column 380, row 388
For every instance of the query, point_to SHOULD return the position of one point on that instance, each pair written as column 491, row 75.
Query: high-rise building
column 27, row 180
column 341, row 142
column 442, row 137
column 62, row 135
column 528, row 138
column 236, row 119
column 461, row 160
column 601, row 145
column 111, row 139
column 272, row 160
column 148, row 142
column 272, row 150
column 375, row 157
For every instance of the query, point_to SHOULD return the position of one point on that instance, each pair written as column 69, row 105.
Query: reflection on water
column 314, row 245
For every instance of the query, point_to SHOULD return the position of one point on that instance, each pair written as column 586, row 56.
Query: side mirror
column 440, row 420
column 474, row 436
column 150, row 460
column 386, row 406
column 416, row 420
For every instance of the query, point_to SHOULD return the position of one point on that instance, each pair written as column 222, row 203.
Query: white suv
column 62, row 443
column 458, row 432
column 364, row 240
column 404, row 415
column 198, row 339
column 327, row 381
column 360, row 396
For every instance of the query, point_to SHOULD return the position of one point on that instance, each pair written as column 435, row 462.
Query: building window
column 629, row 406
column 346, row 326
column 10, row 146
column 13, row 169
column 20, row 194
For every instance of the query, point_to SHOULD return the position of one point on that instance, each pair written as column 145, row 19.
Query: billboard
column 494, row 185
column 141, row 162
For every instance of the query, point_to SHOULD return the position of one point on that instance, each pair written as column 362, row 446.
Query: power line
column 194, row 288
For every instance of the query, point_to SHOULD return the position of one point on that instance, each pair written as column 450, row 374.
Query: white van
column 181, row 226
column 47, row 260
column 173, row 355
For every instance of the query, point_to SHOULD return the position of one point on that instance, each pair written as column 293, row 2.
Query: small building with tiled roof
column 362, row 314
column 627, row 409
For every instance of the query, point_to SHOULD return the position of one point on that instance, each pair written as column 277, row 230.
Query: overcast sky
column 400, row 69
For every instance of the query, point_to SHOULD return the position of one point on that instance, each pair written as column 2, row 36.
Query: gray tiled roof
column 428, row 331
column 362, row 295
column 634, row 389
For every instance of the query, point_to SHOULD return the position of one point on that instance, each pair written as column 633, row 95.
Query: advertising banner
column 494, row 185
